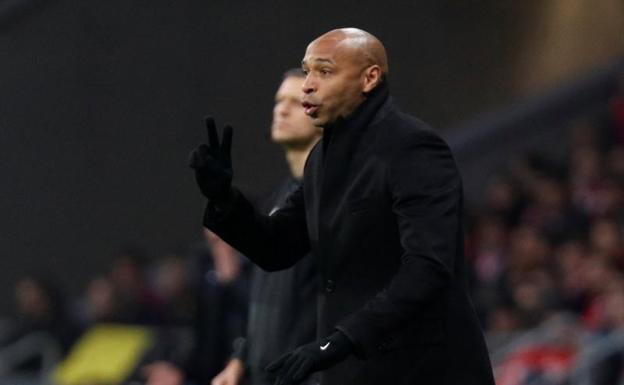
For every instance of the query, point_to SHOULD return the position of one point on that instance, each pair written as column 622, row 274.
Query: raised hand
column 212, row 163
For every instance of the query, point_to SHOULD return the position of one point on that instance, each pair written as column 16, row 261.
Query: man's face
column 291, row 126
column 333, row 86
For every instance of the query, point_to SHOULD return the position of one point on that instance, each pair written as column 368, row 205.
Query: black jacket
column 381, row 211
column 282, row 309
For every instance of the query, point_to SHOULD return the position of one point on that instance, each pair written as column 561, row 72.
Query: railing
column 482, row 145
column 594, row 352
column 34, row 345
column 591, row 350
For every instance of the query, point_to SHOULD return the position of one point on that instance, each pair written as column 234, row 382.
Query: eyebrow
column 303, row 62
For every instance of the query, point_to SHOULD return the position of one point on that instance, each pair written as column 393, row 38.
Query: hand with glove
column 213, row 164
column 296, row 366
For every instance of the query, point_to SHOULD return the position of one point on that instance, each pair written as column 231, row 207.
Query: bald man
column 380, row 209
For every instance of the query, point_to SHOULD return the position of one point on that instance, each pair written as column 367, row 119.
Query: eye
column 305, row 72
column 325, row 71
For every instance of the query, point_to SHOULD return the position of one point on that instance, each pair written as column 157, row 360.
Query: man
column 282, row 312
column 220, row 277
column 380, row 208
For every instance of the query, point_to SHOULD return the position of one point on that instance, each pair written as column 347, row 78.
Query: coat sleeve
column 426, row 201
column 273, row 242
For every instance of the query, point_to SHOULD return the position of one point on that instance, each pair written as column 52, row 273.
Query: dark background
column 100, row 103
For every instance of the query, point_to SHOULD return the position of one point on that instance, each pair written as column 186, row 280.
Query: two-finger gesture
column 212, row 163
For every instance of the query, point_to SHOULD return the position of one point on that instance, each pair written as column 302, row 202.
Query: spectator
column 99, row 303
column 551, row 212
column 219, row 277
column 606, row 240
column 504, row 199
column 174, row 291
column 136, row 302
column 40, row 310
column 570, row 257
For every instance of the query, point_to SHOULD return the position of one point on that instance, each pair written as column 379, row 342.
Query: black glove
column 213, row 164
column 296, row 366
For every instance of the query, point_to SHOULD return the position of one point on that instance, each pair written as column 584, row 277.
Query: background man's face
column 333, row 86
column 291, row 126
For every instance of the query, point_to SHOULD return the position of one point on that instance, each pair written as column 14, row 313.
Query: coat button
column 330, row 286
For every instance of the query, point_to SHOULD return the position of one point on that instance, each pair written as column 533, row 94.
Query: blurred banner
column 107, row 354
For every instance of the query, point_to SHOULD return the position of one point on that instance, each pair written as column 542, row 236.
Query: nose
column 309, row 85
column 281, row 109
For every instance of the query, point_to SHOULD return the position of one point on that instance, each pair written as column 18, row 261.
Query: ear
column 371, row 78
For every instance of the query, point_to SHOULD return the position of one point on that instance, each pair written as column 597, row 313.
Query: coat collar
column 364, row 113
column 342, row 140
column 341, row 144
column 344, row 134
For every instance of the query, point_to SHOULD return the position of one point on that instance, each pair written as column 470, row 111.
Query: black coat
column 381, row 210
column 282, row 309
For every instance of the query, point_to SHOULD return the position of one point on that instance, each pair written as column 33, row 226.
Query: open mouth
column 309, row 108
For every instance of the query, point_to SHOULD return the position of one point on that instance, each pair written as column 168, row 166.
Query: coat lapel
column 341, row 143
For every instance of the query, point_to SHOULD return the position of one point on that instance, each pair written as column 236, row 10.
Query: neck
column 296, row 158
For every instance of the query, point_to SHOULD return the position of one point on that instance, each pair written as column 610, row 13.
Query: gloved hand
column 213, row 164
column 296, row 366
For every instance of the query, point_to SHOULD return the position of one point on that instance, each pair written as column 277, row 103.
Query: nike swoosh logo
column 323, row 347
column 274, row 210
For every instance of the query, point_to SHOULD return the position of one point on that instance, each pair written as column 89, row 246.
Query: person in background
column 283, row 304
column 42, row 317
column 219, row 277
column 137, row 303
column 173, row 287
column 99, row 303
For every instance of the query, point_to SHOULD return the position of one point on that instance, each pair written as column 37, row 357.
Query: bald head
column 342, row 67
column 358, row 45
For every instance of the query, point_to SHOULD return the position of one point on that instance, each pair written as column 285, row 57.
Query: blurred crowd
column 547, row 256
column 545, row 248
column 195, row 300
